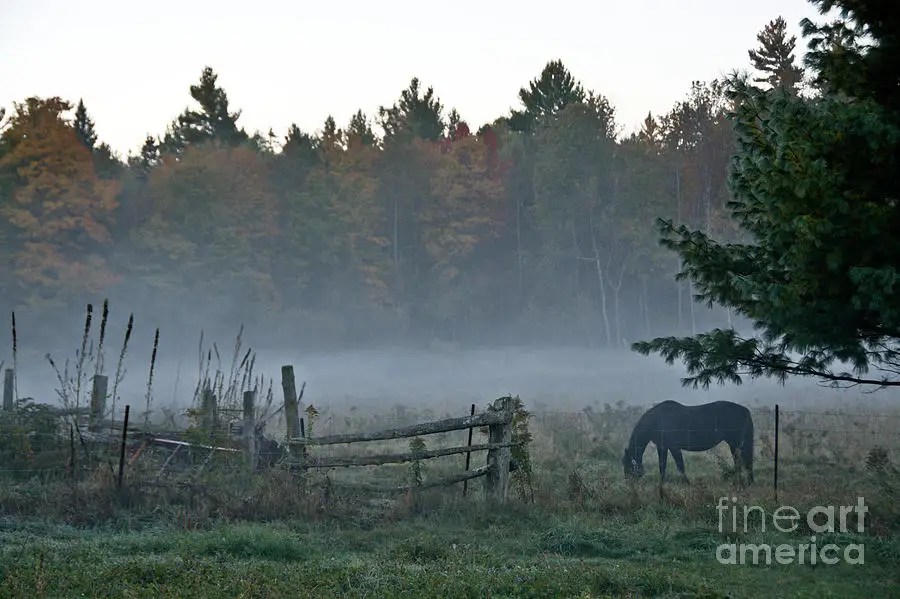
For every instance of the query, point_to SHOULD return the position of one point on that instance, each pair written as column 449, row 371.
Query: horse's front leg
column 679, row 463
column 663, row 453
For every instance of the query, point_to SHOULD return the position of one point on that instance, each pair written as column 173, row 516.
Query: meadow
column 202, row 524
column 573, row 528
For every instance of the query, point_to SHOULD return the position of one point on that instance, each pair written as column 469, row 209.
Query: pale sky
column 294, row 61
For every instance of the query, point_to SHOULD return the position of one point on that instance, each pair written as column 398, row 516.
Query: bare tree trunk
column 646, row 304
column 678, row 221
column 576, row 263
column 519, row 249
column 693, row 308
column 707, row 201
column 602, row 281
column 616, row 287
column 396, row 234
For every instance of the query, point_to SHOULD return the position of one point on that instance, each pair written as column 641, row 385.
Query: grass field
column 586, row 534
column 654, row 552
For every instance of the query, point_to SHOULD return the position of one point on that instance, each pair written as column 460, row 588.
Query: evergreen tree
column 546, row 96
column 84, row 126
column 815, row 186
column 359, row 131
column 856, row 55
column 775, row 56
column 416, row 114
column 143, row 163
column 213, row 121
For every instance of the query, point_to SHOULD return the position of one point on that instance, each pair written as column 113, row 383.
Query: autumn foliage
column 534, row 220
column 58, row 211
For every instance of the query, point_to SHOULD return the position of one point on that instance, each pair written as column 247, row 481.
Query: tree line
column 409, row 223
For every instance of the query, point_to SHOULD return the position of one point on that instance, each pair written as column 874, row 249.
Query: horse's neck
column 638, row 442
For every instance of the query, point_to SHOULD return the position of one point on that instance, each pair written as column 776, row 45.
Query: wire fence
column 45, row 445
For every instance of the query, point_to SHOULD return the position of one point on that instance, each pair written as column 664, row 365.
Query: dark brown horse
column 673, row 428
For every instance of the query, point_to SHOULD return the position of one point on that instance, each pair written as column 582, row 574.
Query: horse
column 674, row 428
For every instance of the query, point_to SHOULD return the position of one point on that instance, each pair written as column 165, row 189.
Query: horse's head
column 634, row 469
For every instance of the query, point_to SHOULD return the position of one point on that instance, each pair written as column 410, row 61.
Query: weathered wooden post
column 291, row 407
column 497, row 480
column 208, row 406
column 468, row 455
column 98, row 403
column 122, row 447
column 9, row 382
column 249, row 428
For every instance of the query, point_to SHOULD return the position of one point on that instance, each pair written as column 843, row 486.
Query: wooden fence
column 498, row 418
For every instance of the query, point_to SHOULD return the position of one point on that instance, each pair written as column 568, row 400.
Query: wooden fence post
column 775, row 482
column 98, row 402
column 8, row 385
column 497, row 480
column 249, row 428
column 468, row 456
column 210, row 412
column 291, row 408
column 122, row 448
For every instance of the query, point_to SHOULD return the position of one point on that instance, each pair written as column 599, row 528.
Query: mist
column 433, row 263
column 446, row 377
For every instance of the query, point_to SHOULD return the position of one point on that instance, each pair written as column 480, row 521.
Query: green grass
column 588, row 534
column 464, row 552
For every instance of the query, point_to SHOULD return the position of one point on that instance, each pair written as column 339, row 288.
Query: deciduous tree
column 58, row 209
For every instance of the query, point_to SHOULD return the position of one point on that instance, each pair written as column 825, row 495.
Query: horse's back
column 708, row 416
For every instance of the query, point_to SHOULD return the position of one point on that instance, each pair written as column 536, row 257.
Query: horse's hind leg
column 741, row 461
column 679, row 463
column 747, row 457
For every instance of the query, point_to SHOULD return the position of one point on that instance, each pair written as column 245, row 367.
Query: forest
column 407, row 225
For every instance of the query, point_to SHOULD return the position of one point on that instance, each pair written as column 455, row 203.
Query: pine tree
column 546, row 96
column 814, row 184
column 775, row 57
column 84, row 126
column 359, row 131
column 213, row 121
column 416, row 114
column 856, row 55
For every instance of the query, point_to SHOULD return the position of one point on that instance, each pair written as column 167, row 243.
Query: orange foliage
column 60, row 211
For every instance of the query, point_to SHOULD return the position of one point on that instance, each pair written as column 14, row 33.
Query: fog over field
column 441, row 377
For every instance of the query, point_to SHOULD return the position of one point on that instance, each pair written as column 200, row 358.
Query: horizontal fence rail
column 399, row 458
column 416, row 430
column 498, row 418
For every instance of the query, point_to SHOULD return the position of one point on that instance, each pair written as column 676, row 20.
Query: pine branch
column 723, row 356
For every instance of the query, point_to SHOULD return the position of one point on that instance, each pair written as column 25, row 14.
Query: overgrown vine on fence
column 311, row 415
column 523, row 476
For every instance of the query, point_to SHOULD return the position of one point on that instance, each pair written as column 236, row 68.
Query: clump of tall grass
column 219, row 392
column 120, row 370
column 87, row 359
